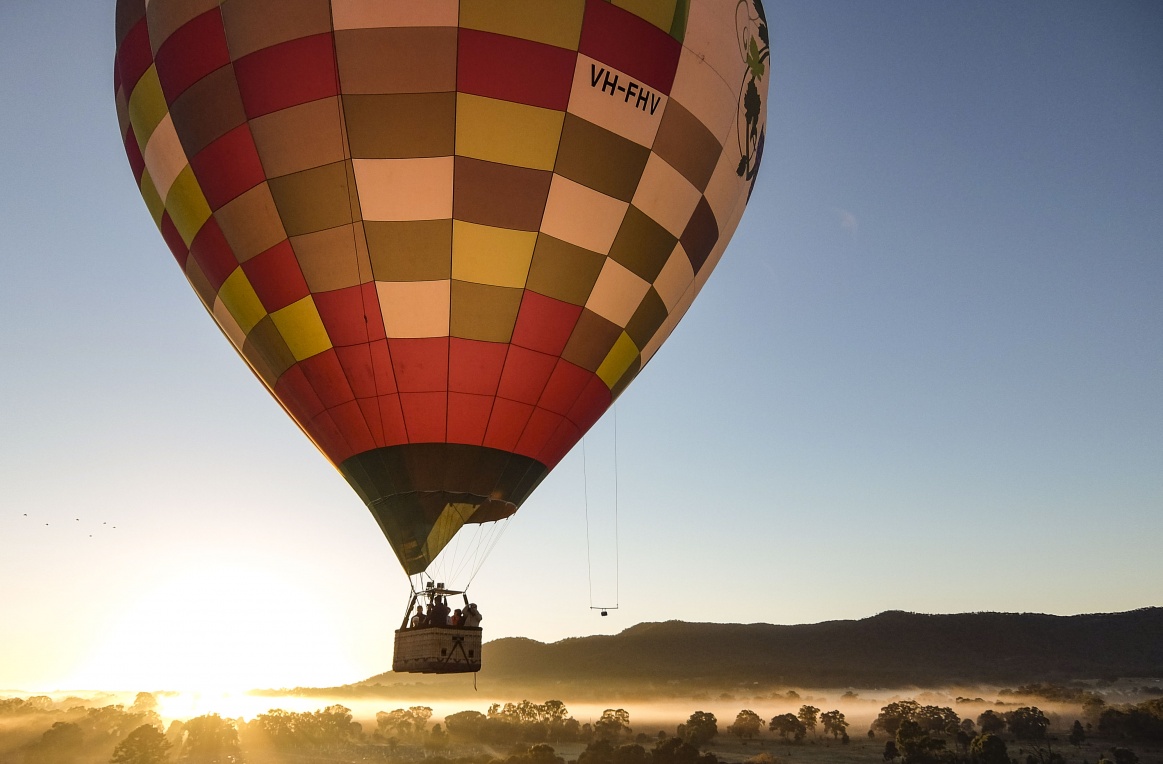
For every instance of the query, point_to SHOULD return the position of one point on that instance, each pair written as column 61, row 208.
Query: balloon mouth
column 421, row 494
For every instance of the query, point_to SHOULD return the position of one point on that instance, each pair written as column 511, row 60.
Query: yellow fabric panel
column 153, row 201
column 240, row 299
column 187, row 206
column 147, row 106
column 302, row 329
column 554, row 22
column 618, row 360
column 660, row 13
column 507, row 133
column 486, row 255
column 450, row 521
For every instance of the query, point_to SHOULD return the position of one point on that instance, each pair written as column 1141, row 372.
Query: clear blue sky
column 928, row 375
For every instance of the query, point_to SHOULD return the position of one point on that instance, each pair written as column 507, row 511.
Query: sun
column 218, row 629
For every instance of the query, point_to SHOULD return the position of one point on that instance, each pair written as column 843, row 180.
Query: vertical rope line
column 617, row 550
column 586, row 495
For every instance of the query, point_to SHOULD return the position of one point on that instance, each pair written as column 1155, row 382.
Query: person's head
column 472, row 606
column 419, row 609
column 457, row 611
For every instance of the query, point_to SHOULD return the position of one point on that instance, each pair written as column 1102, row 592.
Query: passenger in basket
column 472, row 617
column 439, row 612
column 457, row 620
column 418, row 619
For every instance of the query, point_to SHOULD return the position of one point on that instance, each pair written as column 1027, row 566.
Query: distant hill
column 893, row 649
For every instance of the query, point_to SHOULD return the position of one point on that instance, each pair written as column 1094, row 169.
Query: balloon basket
column 437, row 650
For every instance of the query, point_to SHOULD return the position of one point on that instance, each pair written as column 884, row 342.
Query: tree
column 700, row 728
column 613, row 723
column 1125, row 756
column 834, row 723
column 144, row 703
column 988, row 748
column 890, row 751
column 938, row 719
column 1077, row 735
column 630, row 753
column 991, row 722
column 60, row 744
column 210, row 739
column 915, row 744
column 890, row 717
column 1027, row 723
column 747, row 725
column 466, row 725
column 145, row 745
column 786, row 725
column 808, row 715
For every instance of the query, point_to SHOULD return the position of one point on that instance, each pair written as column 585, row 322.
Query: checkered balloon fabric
column 444, row 234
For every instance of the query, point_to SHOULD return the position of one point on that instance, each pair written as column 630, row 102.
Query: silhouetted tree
column 834, row 723
column 808, row 715
column 613, row 724
column 746, row 725
column 988, row 748
column 787, row 725
column 145, row 745
column 1077, row 734
column 700, row 728
column 915, row 744
column 210, row 739
column 1027, row 723
column 890, row 717
column 991, row 722
column 630, row 753
column 890, row 751
column 940, row 720
column 60, row 744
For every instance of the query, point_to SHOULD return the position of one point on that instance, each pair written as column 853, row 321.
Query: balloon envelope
column 445, row 234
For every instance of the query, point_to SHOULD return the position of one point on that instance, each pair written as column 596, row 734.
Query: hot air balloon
column 444, row 234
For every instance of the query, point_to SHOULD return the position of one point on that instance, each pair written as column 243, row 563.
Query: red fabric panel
column 392, row 416
column 565, row 385
column 475, row 366
column 326, row 376
column 276, row 277
column 545, row 323
column 287, row 74
column 296, row 393
column 327, row 436
column 506, row 423
column 468, row 417
column 382, row 367
column 133, row 151
column 135, row 56
column 563, row 439
column 515, row 70
column 351, row 315
column 356, row 361
column 421, row 365
column 591, row 404
column 630, row 44
column 228, row 167
column 211, row 251
column 175, row 241
column 191, row 52
column 374, row 419
column 525, row 375
column 348, row 417
column 424, row 416
column 537, row 433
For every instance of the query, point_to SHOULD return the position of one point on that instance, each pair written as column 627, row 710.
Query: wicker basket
column 437, row 650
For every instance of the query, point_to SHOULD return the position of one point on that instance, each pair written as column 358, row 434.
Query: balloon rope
column 617, row 551
column 586, row 495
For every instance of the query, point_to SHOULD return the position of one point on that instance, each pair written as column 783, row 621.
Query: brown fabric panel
column 642, row 245
column 499, row 195
column 251, row 223
column 397, row 60
column 482, row 312
column 419, row 250
column 701, row 234
column 604, row 161
column 256, row 24
column 329, row 259
column 563, row 271
column 401, row 125
column 129, row 12
column 209, row 109
column 166, row 17
column 590, row 343
column 313, row 200
column 299, row 138
column 267, row 351
column 649, row 316
column 687, row 145
column 202, row 286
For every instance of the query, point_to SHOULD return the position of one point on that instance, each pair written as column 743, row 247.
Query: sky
column 926, row 376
